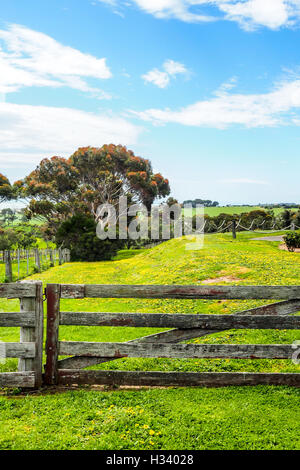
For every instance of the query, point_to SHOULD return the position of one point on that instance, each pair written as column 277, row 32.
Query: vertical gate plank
column 27, row 334
column 33, row 334
column 39, row 335
column 53, row 308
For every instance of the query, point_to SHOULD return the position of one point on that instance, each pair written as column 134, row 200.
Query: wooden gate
column 30, row 349
column 163, row 345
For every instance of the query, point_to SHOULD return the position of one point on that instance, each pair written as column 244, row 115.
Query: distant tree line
column 286, row 205
column 203, row 202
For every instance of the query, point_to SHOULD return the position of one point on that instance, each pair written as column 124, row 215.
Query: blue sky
column 208, row 90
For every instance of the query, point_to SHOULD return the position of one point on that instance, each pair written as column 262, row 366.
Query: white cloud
column 30, row 133
column 249, row 14
column 158, row 78
column 30, row 58
column 179, row 9
column 226, row 108
column 272, row 14
column 174, row 68
column 161, row 78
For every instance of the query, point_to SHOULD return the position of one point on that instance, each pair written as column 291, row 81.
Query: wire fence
column 18, row 264
column 237, row 226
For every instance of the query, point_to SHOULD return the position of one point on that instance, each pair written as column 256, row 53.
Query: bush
column 78, row 234
column 292, row 240
column 8, row 238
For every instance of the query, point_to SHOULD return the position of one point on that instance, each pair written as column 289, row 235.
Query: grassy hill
column 232, row 418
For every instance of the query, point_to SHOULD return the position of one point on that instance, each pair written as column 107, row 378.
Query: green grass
column 215, row 211
column 232, row 418
column 22, row 273
column 19, row 220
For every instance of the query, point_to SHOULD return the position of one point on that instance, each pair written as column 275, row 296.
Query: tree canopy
column 60, row 188
column 6, row 189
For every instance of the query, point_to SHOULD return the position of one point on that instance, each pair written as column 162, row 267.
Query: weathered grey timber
column 17, row 379
column 30, row 320
column 17, row 350
column 33, row 334
column 8, row 266
column 174, row 379
column 17, row 319
column 162, row 344
column 165, row 320
column 177, row 335
column 180, row 292
column 27, row 335
column 39, row 335
column 286, row 307
column 37, row 259
column 235, row 351
column 17, row 290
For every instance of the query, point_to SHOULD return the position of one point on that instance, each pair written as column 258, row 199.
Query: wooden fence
column 164, row 345
column 42, row 258
column 30, row 349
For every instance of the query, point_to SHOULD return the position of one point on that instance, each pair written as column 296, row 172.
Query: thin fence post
column 18, row 254
column 37, row 260
column 60, row 258
column 234, row 229
column 8, row 266
column 51, row 258
column 52, row 343
column 34, row 335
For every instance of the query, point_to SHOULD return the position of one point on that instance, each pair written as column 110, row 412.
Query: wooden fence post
column 66, row 255
column 51, row 258
column 18, row 254
column 37, row 260
column 8, row 266
column 34, row 335
column 27, row 262
column 234, row 229
column 60, row 257
column 53, row 310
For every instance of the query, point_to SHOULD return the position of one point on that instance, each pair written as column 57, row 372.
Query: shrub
column 78, row 234
column 292, row 240
column 8, row 238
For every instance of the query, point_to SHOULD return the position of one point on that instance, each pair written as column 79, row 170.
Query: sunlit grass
column 233, row 418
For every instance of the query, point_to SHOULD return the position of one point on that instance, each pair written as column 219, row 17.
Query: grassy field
column 226, row 418
column 215, row 211
column 45, row 264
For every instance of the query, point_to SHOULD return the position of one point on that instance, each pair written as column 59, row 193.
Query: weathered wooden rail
column 30, row 349
column 163, row 345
